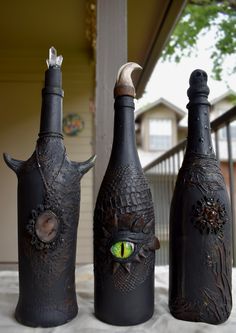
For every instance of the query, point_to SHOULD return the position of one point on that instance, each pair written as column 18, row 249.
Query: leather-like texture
column 124, row 288
column 200, row 223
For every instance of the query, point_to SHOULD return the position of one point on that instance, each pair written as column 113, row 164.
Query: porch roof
column 31, row 27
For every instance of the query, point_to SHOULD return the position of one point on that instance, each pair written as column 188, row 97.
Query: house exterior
column 161, row 125
column 161, row 167
column 95, row 39
column 220, row 105
column 157, row 129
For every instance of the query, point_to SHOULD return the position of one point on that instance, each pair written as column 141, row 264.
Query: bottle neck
column 51, row 111
column 124, row 149
column 199, row 130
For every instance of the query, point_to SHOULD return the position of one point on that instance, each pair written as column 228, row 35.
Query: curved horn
column 124, row 83
column 85, row 166
column 13, row 164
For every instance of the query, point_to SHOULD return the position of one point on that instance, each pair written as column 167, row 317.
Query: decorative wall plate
column 72, row 124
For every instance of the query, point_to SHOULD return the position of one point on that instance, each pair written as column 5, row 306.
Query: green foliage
column 232, row 99
column 198, row 18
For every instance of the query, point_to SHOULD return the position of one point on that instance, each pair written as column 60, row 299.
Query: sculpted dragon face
column 126, row 249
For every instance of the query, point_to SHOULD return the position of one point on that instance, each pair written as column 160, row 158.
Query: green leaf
column 198, row 18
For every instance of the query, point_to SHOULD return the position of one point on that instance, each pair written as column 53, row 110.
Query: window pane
column 158, row 142
column 160, row 127
column 160, row 134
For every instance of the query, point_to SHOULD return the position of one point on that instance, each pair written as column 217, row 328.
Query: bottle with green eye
column 124, row 224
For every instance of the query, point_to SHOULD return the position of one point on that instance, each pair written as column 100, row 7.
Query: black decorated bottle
column 200, row 223
column 124, row 238
column 48, row 214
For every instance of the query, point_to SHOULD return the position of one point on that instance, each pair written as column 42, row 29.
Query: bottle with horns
column 200, row 222
column 48, row 213
column 124, row 238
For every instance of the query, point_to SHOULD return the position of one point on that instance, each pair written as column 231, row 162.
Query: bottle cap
column 198, row 91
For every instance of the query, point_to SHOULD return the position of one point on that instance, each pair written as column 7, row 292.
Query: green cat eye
column 122, row 249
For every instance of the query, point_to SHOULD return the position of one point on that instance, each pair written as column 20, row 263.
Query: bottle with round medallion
column 200, row 222
column 124, row 224
column 48, row 213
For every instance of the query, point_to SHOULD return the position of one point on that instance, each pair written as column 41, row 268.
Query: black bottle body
column 200, row 228
column 124, row 287
column 48, row 214
column 46, row 269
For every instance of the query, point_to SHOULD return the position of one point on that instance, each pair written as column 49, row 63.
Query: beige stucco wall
column 20, row 104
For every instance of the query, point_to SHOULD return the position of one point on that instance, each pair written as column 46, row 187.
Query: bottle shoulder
column 121, row 173
column 49, row 155
column 201, row 171
column 125, row 181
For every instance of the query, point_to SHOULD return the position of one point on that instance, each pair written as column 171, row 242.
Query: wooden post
column 111, row 53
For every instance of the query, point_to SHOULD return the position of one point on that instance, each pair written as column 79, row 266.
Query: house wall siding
column 220, row 107
column 182, row 134
column 20, row 93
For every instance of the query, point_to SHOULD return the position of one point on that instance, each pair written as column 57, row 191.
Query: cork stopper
column 124, row 84
column 198, row 91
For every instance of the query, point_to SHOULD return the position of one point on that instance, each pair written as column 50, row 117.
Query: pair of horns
column 16, row 165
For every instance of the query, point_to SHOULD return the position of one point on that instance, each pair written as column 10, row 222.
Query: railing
column 162, row 174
